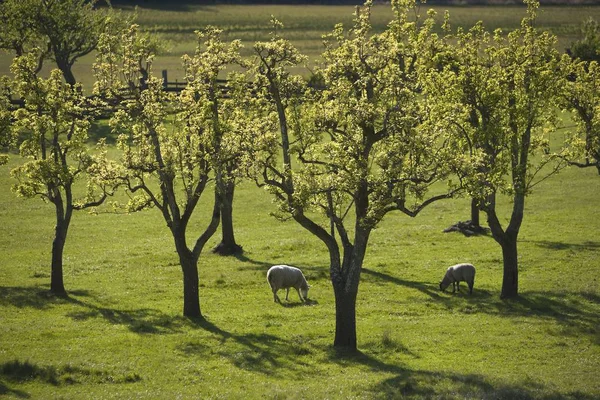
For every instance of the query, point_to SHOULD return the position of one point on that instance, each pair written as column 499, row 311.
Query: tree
column 508, row 102
column 19, row 33
column 467, row 79
column 356, row 151
column 55, row 122
column 588, row 47
column 7, row 135
column 173, row 145
column 582, row 96
column 64, row 30
column 227, row 245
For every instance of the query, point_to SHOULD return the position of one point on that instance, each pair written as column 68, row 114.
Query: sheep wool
column 286, row 277
column 456, row 274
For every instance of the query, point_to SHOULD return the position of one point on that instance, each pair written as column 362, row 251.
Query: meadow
column 120, row 333
column 304, row 25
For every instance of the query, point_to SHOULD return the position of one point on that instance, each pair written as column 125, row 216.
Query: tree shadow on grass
column 587, row 245
column 577, row 313
column 430, row 290
column 6, row 390
column 21, row 372
column 257, row 352
column 433, row 384
column 256, row 265
column 37, row 297
column 421, row 384
column 142, row 320
column 310, row 272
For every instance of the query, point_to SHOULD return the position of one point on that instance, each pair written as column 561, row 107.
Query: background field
column 120, row 334
column 305, row 24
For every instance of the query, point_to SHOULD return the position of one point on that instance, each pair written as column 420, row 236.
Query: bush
column 588, row 47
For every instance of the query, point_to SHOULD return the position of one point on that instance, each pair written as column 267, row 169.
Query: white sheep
column 457, row 273
column 285, row 277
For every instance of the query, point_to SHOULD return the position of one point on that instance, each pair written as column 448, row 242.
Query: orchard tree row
column 406, row 117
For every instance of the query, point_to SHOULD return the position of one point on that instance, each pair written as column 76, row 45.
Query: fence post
column 165, row 80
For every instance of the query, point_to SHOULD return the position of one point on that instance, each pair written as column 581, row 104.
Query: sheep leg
column 299, row 295
column 458, row 286
column 471, row 286
column 453, row 287
column 275, row 297
column 287, row 292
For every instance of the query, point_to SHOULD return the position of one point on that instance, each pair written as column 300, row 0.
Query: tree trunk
column 69, row 77
column 63, row 220
column 191, row 295
column 345, row 319
column 67, row 73
column 508, row 241
column 474, row 213
column 57, row 285
column 346, row 291
column 189, row 268
column 227, row 246
column 510, row 280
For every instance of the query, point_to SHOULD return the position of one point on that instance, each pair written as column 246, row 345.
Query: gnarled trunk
column 508, row 241
column 227, row 246
column 510, row 280
column 64, row 213
column 474, row 213
column 57, row 285
column 191, row 295
column 189, row 268
column 65, row 68
column 345, row 286
column 345, row 319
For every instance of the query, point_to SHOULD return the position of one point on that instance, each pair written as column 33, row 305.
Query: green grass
column 120, row 333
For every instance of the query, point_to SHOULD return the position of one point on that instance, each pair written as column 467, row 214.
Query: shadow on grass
column 431, row 290
column 577, row 313
column 6, row 390
column 588, row 245
column 419, row 384
column 312, row 273
column 432, row 384
column 263, row 353
column 294, row 304
column 143, row 320
column 256, row 265
column 36, row 297
column 26, row 371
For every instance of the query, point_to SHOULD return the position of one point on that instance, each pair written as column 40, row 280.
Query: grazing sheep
column 457, row 273
column 285, row 277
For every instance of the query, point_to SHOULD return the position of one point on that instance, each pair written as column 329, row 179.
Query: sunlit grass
column 121, row 334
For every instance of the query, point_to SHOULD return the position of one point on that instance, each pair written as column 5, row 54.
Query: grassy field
column 304, row 26
column 120, row 334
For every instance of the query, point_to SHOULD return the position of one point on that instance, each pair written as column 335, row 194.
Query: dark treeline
column 175, row 4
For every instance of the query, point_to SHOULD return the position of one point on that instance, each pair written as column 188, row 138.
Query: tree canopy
column 62, row 31
column 359, row 149
column 173, row 145
column 54, row 125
